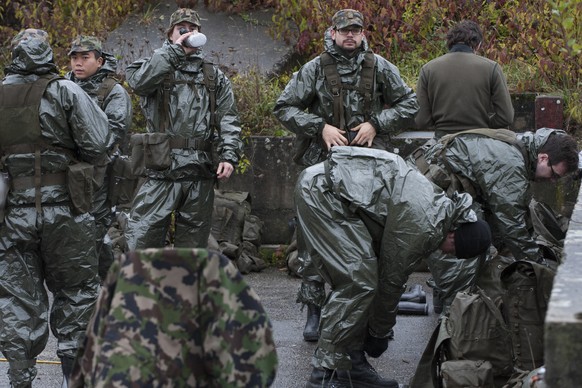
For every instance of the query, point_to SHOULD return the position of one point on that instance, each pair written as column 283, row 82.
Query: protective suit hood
column 32, row 56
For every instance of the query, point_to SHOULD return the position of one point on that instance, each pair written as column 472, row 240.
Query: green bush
column 537, row 42
column 62, row 20
column 256, row 96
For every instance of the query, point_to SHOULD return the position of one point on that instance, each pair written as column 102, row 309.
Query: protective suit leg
column 149, row 218
column 22, row 373
column 71, row 275
column 23, row 299
column 194, row 214
column 349, row 268
column 103, row 220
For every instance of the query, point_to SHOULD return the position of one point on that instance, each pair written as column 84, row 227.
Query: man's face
column 349, row 38
column 84, row 64
column 546, row 171
column 448, row 245
column 176, row 31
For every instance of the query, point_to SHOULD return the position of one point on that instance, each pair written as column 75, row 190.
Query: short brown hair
column 561, row 147
column 467, row 32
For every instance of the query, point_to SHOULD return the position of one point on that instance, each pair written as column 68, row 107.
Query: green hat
column 184, row 15
column 29, row 33
column 347, row 17
column 83, row 43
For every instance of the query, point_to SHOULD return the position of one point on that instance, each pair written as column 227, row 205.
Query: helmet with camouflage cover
column 347, row 17
column 184, row 15
column 84, row 43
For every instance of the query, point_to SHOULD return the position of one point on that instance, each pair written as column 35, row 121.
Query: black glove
column 375, row 346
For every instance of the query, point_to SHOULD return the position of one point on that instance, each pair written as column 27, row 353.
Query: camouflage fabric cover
column 184, row 15
column 347, row 17
column 176, row 318
column 29, row 33
column 84, row 43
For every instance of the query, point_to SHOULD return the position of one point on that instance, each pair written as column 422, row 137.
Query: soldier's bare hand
column 333, row 136
column 365, row 134
column 224, row 170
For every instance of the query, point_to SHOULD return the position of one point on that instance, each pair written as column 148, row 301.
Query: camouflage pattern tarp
column 176, row 318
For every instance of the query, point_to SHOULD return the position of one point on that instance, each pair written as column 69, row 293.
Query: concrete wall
column 563, row 331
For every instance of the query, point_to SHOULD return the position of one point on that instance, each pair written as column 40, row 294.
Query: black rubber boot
column 414, row 294
column 412, row 308
column 326, row 378
column 374, row 346
column 363, row 375
column 311, row 330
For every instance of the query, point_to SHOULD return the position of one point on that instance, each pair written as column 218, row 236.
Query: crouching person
column 368, row 219
column 176, row 318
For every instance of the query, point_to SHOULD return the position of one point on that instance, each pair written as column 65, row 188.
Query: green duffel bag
column 467, row 374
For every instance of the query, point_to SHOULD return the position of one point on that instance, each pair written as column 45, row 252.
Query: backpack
column 236, row 231
column 20, row 132
column 528, row 288
column 105, row 88
column 471, row 346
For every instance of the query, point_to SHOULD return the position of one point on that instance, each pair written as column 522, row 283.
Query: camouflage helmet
column 347, row 17
column 83, row 43
column 29, row 33
column 184, row 15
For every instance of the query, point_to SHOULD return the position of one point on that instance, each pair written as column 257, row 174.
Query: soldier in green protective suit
column 94, row 70
column 348, row 95
column 498, row 174
column 185, row 122
column 368, row 219
column 51, row 133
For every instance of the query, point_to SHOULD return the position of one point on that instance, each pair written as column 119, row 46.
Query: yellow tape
column 38, row 361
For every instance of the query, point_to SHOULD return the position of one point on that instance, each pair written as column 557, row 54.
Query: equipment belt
column 28, row 182
column 197, row 144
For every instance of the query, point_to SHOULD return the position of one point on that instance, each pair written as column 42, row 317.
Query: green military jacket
column 176, row 318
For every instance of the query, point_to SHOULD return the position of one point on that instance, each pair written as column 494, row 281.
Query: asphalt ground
column 278, row 291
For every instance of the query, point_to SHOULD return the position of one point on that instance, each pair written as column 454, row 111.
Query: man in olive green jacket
column 462, row 90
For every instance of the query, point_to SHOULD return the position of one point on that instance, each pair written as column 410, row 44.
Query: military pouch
column 80, row 185
column 100, row 170
column 467, row 374
column 439, row 176
column 122, row 182
column 150, row 151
